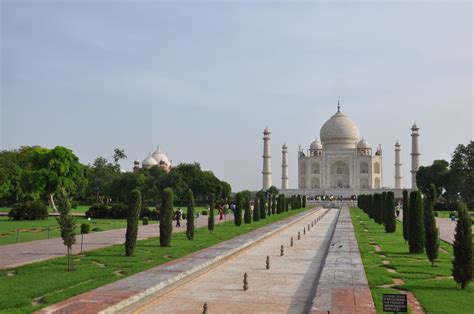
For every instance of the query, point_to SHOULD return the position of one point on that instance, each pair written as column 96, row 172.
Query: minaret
column 284, row 167
column 415, row 154
column 267, row 160
column 398, row 167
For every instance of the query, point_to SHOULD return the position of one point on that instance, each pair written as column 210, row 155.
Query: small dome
column 160, row 157
column 363, row 144
column 284, row 146
column 136, row 162
column 266, row 131
column 149, row 162
column 339, row 129
column 415, row 127
column 316, row 145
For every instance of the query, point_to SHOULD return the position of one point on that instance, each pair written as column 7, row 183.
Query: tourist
column 221, row 212
column 178, row 217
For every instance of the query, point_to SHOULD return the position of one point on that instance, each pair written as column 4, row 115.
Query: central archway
column 339, row 175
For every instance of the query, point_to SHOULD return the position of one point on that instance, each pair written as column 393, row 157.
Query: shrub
column 247, row 211
column 190, row 215
column 390, row 222
column 98, row 211
column 238, row 209
column 435, row 214
column 74, row 204
column 32, row 210
column 184, row 216
column 166, row 221
column 406, row 215
column 204, row 213
column 210, row 219
column 145, row 220
column 416, row 228
column 85, row 228
column 462, row 248
column 132, row 222
column 119, row 211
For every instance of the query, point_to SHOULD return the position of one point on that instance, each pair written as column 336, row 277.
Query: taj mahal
column 340, row 163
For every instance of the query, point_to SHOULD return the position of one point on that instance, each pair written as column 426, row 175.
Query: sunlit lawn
column 436, row 291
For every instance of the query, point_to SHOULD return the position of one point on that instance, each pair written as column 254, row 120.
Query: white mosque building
column 340, row 163
column 155, row 159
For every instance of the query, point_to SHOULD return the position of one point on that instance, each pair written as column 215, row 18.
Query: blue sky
column 203, row 79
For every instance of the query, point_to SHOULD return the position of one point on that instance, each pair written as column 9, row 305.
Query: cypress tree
column 247, row 211
column 370, row 206
column 293, row 202
column 269, row 206
column 390, row 222
column 166, row 220
column 304, row 201
column 274, row 204
column 133, row 215
column 287, row 204
column 384, row 207
column 239, row 202
column 210, row 219
column 256, row 209
column 377, row 208
column 263, row 213
column 280, row 204
column 462, row 248
column 406, row 215
column 359, row 201
column 431, row 232
column 416, row 228
column 190, row 215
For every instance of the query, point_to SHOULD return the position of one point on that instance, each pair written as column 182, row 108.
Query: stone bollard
column 304, row 231
column 312, row 224
column 291, row 242
column 282, row 252
column 299, row 237
column 267, row 266
column 308, row 227
column 204, row 308
column 246, row 283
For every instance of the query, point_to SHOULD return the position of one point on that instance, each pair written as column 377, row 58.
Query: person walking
column 178, row 217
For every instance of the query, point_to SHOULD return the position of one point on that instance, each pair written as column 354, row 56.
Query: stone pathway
column 287, row 287
column 142, row 289
column 343, row 286
column 14, row 255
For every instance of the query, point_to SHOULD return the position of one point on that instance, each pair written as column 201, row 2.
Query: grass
column 31, row 230
column 432, row 286
column 49, row 280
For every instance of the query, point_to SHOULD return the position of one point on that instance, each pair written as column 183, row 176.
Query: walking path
column 14, row 255
column 445, row 225
column 343, row 286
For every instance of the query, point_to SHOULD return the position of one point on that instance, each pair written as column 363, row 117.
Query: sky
column 203, row 79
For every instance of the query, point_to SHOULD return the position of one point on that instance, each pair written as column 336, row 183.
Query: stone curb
column 187, row 276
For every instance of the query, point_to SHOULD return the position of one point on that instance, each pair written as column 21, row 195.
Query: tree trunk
column 51, row 202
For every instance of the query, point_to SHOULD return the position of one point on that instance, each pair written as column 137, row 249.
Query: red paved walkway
column 14, row 255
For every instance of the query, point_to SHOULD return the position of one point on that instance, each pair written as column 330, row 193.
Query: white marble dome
column 316, row 145
column 149, row 162
column 160, row 157
column 339, row 130
column 363, row 144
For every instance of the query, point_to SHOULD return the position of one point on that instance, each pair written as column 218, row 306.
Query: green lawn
column 50, row 281
column 31, row 230
column 433, row 287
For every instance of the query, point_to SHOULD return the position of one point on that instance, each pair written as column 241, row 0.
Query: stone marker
column 204, row 308
column 282, row 251
column 299, row 237
column 291, row 242
column 267, row 266
column 246, row 283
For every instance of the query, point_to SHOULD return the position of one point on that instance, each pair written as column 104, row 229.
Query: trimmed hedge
column 31, row 210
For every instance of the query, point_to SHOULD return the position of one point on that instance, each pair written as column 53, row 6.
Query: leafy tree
column 390, row 222
column 67, row 225
column 462, row 248
column 52, row 169
column 436, row 174
column 405, row 215
column 462, row 174
column 263, row 206
column 416, row 228
column 210, row 220
column 166, row 217
column 190, row 216
column 248, row 211
column 272, row 190
column 134, row 208
column 256, row 209
column 100, row 177
column 118, row 155
column 431, row 232
column 238, row 209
